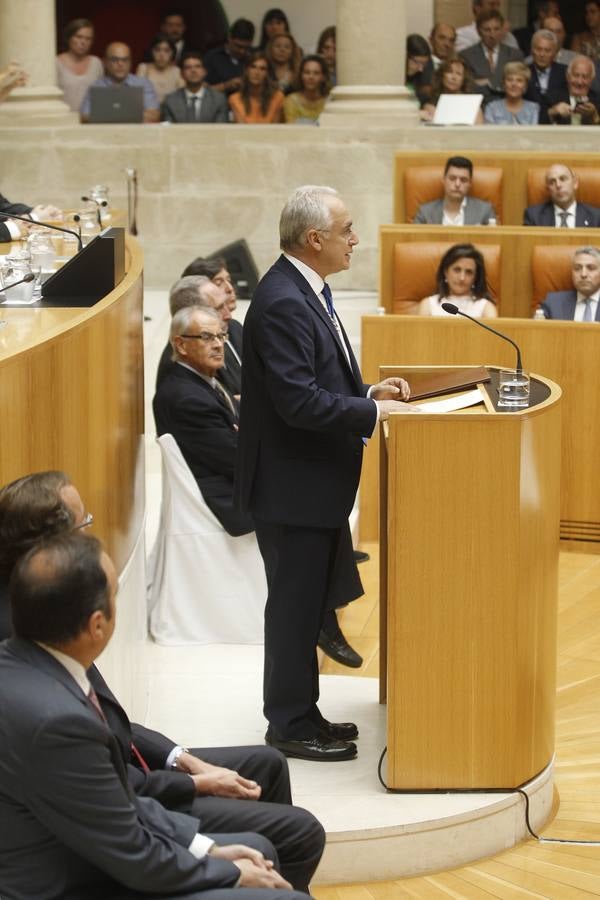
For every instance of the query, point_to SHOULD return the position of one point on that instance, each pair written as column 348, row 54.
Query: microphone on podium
column 455, row 311
column 99, row 205
column 44, row 224
column 26, row 280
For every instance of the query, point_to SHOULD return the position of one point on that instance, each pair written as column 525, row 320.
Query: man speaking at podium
column 304, row 415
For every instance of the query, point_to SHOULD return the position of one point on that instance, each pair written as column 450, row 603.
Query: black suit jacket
column 230, row 375
column 304, row 408
column 71, row 826
column 19, row 209
column 478, row 63
column 543, row 215
column 187, row 407
column 557, row 91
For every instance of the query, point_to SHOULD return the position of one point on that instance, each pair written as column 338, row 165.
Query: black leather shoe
column 321, row 748
column 360, row 556
column 339, row 650
column 339, row 731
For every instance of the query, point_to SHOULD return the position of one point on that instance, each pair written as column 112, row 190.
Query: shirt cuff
column 13, row 229
column 200, row 846
column 376, row 410
column 175, row 752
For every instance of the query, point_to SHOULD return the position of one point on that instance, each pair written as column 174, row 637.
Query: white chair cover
column 207, row 587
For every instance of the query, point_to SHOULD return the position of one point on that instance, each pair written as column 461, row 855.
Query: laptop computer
column 457, row 109
column 116, row 104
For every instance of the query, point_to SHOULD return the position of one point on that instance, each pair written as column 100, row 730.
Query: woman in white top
column 76, row 68
column 162, row 71
column 461, row 280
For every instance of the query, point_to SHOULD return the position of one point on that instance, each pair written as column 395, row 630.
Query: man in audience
column 200, row 413
column 226, row 788
column 196, row 102
column 489, row 55
column 548, row 83
column 224, row 65
column 216, row 270
column 12, row 229
column 556, row 25
column 173, row 25
column 580, row 106
column 562, row 209
column 200, row 290
column 117, row 66
column 442, row 40
column 542, row 9
column 69, row 816
column 580, row 304
column 456, row 207
column 468, row 35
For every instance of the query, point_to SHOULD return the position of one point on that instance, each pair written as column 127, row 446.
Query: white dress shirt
column 468, row 35
column 459, row 219
column 570, row 211
column 580, row 306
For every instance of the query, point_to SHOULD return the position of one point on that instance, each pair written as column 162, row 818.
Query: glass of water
column 513, row 389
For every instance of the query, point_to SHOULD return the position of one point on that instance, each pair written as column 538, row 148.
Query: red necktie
column 93, row 698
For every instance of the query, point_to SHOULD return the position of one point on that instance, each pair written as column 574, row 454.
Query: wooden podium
column 469, row 554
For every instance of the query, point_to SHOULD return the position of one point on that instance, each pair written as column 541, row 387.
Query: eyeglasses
column 119, row 59
column 207, row 337
column 88, row 520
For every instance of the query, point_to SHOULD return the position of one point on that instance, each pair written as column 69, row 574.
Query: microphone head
column 450, row 308
column 76, row 218
column 28, row 278
column 86, row 199
column 103, row 202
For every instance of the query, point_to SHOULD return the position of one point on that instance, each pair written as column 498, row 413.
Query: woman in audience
column 76, row 68
column 461, row 280
column 162, row 71
column 513, row 109
column 259, row 101
column 452, row 77
column 588, row 42
column 419, row 67
column 284, row 56
column 306, row 105
column 326, row 47
column 274, row 22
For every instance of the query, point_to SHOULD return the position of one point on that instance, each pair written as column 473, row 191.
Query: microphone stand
column 455, row 311
column 45, row 225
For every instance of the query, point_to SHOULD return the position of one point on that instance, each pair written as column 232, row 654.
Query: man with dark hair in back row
column 225, row 65
column 196, row 102
column 456, row 207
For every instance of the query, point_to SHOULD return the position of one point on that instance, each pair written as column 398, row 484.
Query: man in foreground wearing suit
column 581, row 304
column 196, row 102
column 304, row 415
column 562, row 209
column 456, row 207
column 71, row 825
column 487, row 58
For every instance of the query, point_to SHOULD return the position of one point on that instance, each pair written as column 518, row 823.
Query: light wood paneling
column 71, row 397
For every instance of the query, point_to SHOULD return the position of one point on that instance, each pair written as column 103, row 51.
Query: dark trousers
column 309, row 571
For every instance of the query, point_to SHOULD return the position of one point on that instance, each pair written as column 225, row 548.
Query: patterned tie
column 587, row 313
column 328, row 301
column 491, row 60
column 564, row 216
column 224, row 398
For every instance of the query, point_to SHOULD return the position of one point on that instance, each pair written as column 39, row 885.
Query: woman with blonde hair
column 284, row 56
column 513, row 109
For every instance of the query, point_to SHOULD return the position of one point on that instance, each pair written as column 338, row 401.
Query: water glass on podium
column 513, row 389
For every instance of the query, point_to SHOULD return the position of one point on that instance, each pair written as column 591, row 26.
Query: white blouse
column 479, row 308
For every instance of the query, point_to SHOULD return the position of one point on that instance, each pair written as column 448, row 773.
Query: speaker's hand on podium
column 387, row 407
column 391, row 389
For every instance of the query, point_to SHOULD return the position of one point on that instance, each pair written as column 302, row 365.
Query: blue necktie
column 328, row 300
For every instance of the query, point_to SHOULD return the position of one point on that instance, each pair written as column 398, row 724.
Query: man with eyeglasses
column 200, row 413
column 117, row 66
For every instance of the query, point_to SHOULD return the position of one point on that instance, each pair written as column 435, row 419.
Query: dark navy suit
column 561, row 305
column 304, row 413
column 543, row 215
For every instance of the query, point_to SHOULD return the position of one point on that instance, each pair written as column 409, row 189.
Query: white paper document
column 461, row 401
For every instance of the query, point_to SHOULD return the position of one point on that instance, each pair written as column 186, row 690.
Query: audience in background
column 305, row 105
column 284, row 56
column 588, row 42
column 259, row 101
column 224, row 65
column 173, row 26
column 548, row 83
column 76, row 67
column 442, row 40
column 195, row 102
column 274, row 22
column 326, row 47
column 419, row 67
column 13, row 76
column 452, row 77
column 562, row 210
column 580, row 304
column 468, row 35
column 117, row 65
column 541, row 9
column 461, row 280
column 456, row 207
column 513, row 109
column 580, row 103
column 489, row 55
column 162, row 72
column 556, row 26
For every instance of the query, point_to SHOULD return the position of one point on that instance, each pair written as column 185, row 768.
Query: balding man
column 442, row 40
column 548, row 83
column 117, row 66
column 582, row 303
column 580, row 106
column 562, row 209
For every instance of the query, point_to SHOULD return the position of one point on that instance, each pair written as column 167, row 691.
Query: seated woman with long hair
column 284, row 56
column 306, row 104
column 461, row 280
column 259, row 101
column 326, row 47
column 513, row 109
column 452, row 77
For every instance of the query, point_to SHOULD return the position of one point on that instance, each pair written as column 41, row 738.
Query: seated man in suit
column 441, row 39
column 562, row 209
column 467, row 35
column 548, row 83
column 196, row 102
column 72, row 826
column 489, row 55
column 456, row 207
column 580, row 304
column 117, row 66
column 12, row 229
column 226, row 788
column 581, row 104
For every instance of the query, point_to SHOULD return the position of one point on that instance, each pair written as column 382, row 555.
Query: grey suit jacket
column 478, row 63
column 561, row 305
column 543, row 214
column 477, row 212
column 212, row 109
column 71, row 825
